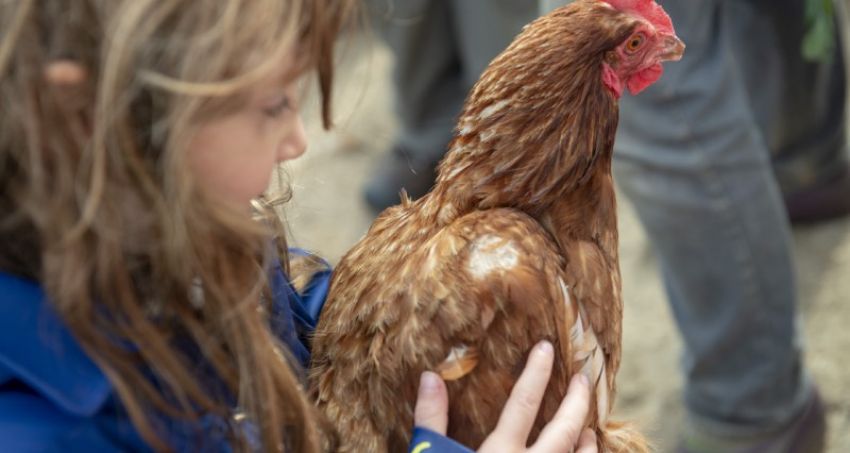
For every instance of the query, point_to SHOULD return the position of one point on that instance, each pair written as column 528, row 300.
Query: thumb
column 432, row 404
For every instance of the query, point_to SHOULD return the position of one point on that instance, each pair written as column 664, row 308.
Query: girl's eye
column 635, row 42
column 278, row 108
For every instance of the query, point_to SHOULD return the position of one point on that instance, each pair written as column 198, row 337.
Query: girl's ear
column 65, row 74
column 70, row 85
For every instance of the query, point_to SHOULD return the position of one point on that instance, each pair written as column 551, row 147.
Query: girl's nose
column 295, row 143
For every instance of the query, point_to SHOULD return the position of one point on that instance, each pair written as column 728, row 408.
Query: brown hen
column 517, row 242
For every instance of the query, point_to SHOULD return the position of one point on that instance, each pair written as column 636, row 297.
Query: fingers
column 565, row 428
column 587, row 442
column 521, row 408
column 432, row 404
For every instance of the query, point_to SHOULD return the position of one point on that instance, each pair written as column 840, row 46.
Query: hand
column 562, row 434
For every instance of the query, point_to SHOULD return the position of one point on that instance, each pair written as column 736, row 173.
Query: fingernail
column 428, row 382
column 544, row 347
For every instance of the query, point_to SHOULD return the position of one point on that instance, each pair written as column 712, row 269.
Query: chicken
column 516, row 242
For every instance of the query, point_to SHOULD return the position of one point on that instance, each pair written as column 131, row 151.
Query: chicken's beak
column 672, row 49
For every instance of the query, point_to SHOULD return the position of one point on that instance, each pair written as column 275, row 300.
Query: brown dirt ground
column 327, row 215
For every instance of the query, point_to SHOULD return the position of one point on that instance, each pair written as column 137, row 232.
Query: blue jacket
column 53, row 398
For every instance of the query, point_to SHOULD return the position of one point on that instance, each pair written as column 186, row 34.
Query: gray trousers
column 441, row 47
column 700, row 155
column 694, row 154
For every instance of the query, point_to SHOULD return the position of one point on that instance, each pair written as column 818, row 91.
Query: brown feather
column 516, row 243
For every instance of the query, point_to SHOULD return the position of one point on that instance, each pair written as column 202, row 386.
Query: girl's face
column 233, row 156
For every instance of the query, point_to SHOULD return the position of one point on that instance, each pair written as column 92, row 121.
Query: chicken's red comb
column 651, row 11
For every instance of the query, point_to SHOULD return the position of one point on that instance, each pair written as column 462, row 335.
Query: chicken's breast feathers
column 469, row 301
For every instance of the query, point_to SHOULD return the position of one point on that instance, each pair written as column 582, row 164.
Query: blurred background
column 327, row 215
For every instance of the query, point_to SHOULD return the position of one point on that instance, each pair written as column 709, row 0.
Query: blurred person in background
column 736, row 139
column 440, row 48
column 707, row 157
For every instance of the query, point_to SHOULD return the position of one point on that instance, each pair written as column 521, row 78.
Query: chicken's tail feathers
column 621, row 437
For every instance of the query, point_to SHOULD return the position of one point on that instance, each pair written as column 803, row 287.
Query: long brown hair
column 98, row 204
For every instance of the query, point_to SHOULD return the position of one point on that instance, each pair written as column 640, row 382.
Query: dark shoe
column 396, row 171
column 807, row 434
column 826, row 201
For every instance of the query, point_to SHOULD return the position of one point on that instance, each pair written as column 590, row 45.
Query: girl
column 143, row 307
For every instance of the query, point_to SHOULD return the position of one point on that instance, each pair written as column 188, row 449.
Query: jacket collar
column 37, row 349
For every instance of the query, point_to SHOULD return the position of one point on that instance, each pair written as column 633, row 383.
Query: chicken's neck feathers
column 563, row 174
column 537, row 128
column 537, row 132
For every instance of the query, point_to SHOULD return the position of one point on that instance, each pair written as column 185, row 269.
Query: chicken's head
column 636, row 62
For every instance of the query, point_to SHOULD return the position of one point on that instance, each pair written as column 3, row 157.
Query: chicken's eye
column 635, row 42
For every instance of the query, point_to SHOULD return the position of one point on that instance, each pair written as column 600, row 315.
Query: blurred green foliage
column 820, row 23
